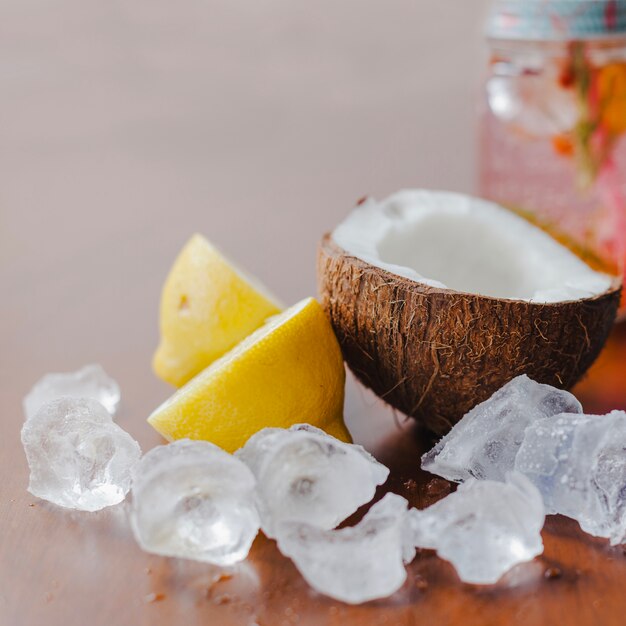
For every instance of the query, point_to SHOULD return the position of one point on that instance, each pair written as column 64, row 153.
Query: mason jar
column 554, row 120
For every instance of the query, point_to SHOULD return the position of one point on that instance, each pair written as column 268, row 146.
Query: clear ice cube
column 484, row 443
column 484, row 528
column 78, row 457
column 305, row 475
column 533, row 103
column 354, row 564
column 578, row 463
column 191, row 499
column 90, row 381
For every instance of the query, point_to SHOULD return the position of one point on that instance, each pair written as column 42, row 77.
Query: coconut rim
column 467, row 244
column 328, row 243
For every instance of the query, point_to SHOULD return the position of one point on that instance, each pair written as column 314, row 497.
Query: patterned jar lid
column 554, row 20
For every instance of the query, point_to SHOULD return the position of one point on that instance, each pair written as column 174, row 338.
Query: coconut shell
column 435, row 353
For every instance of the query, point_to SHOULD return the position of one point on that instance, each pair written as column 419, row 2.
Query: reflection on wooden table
column 604, row 388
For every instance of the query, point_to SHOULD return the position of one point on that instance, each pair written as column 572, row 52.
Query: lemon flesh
column 207, row 307
column 287, row 372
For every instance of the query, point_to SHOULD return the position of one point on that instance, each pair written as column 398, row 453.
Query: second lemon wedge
column 288, row 371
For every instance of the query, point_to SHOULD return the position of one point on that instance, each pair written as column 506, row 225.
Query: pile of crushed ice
column 191, row 499
column 576, row 461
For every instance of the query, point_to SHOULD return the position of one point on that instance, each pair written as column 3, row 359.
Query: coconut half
column 438, row 299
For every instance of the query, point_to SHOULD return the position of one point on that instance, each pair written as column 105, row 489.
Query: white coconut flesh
column 453, row 241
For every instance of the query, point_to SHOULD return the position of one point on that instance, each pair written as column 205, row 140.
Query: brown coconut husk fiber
column 435, row 353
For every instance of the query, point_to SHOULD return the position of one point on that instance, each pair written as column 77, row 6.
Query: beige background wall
column 127, row 125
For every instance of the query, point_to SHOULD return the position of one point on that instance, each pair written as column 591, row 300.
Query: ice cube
column 484, row 528
column 191, row 499
column 534, row 103
column 305, row 475
column 89, row 382
column 354, row 564
column 578, row 463
column 78, row 457
column 484, row 443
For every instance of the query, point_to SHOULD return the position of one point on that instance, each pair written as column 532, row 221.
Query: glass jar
column 554, row 121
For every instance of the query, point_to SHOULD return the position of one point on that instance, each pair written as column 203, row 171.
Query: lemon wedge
column 286, row 372
column 207, row 307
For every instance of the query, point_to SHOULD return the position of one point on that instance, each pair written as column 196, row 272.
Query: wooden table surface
column 125, row 127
